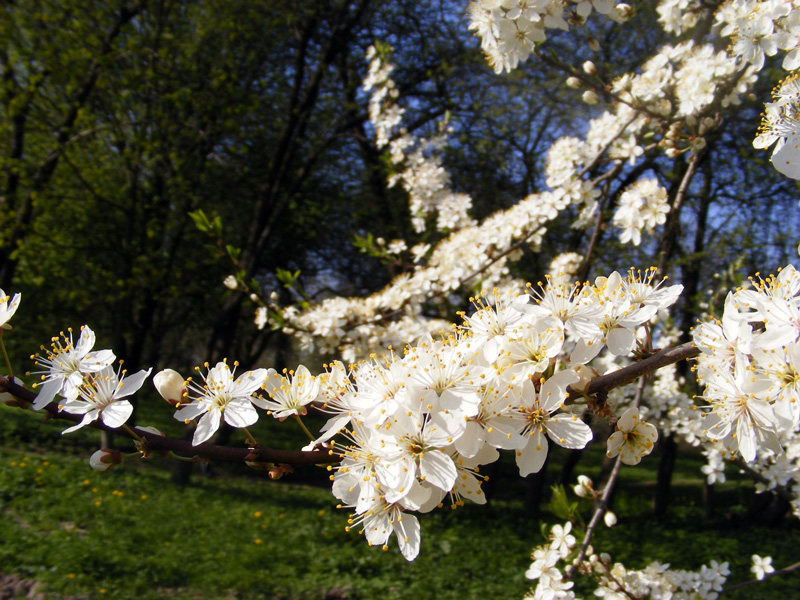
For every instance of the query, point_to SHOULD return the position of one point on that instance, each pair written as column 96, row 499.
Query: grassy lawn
column 129, row 533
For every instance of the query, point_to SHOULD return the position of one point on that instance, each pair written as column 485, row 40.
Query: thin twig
column 675, row 211
column 783, row 571
column 601, row 507
column 598, row 514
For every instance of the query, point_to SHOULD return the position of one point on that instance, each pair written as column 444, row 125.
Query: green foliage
column 560, row 505
column 211, row 226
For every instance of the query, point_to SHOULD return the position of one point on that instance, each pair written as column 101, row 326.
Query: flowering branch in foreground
column 156, row 444
column 598, row 386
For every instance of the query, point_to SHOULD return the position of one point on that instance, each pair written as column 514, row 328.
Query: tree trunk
column 669, row 452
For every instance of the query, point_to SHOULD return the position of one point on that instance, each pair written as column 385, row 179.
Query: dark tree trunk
column 708, row 499
column 669, row 452
column 534, row 491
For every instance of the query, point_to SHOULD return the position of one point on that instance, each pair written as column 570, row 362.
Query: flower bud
column 589, row 68
column 586, row 375
column 698, row 144
column 280, row 471
column 610, row 519
column 169, row 384
column 104, row 459
column 624, row 11
column 574, row 83
column 590, row 97
column 584, row 489
column 230, row 282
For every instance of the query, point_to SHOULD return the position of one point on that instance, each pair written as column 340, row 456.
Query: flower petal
column 438, row 469
column 531, row 458
column 569, row 431
column 117, row 413
column 207, row 426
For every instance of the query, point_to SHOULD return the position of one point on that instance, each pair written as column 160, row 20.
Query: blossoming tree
column 417, row 405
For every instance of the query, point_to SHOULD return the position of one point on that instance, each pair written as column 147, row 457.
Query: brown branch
column 156, row 444
column 601, row 507
column 605, row 383
column 670, row 231
column 598, row 514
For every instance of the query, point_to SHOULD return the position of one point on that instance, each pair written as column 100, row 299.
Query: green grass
column 129, row 533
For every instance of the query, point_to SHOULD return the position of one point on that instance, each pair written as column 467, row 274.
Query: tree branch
column 783, row 571
column 156, row 443
column 605, row 383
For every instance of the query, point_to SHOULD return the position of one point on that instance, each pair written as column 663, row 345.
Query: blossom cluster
column 676, row 87
column 419, row 426
column 85, row 381
column 757, row 30
column 511, row 29
column 642, row 206
column 418, row 160
column 750, row 367
column 555, row 562
column 751, row 372
column 780, row 125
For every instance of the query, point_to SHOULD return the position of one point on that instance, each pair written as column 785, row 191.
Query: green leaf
column 287, row 278
column 559, row 504
column 233, row 252
column 200, row 220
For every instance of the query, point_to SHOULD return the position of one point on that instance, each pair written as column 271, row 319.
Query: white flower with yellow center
column 8, row 306
column 220, row 398
column 102, row 395
column 633, row 438
column 289, row 395
column 67, row 363
column 541, row 421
